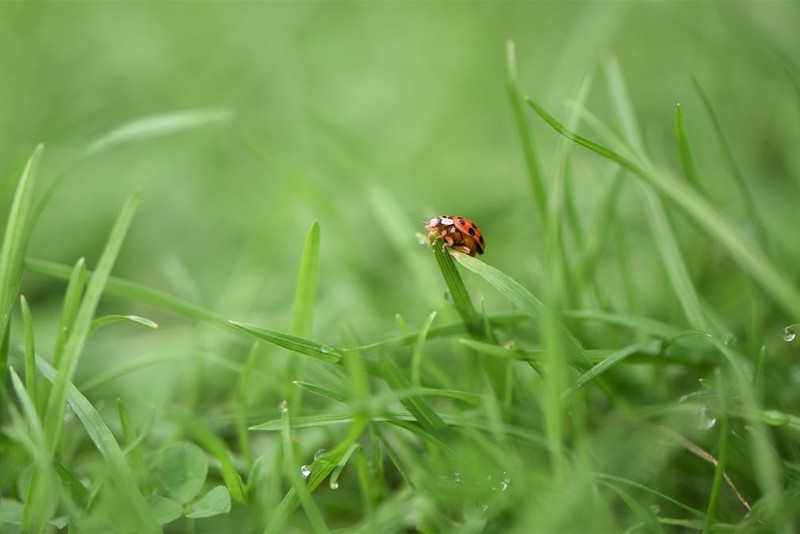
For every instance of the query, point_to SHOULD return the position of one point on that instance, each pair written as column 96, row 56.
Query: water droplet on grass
column 319, row 453
column 789, row 334
column 305, row 471
column 334, row 484
column 705, row 421
column 283, row 406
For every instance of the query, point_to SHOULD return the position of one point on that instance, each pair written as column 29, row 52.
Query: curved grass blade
column 54, row 416
column 122, row 477
column 418, row 350
column 523, row 298
column 526, row 138
column 30, row 349
column 111, row 319
column 609, row 362
column 705, row 216
column 293, row 343
column 12, row 257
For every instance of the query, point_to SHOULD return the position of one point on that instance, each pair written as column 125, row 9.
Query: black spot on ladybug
column 461, row 222
column 481, row 240
column 472, row 231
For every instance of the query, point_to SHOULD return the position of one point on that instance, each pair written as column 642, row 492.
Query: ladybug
column 458, row 233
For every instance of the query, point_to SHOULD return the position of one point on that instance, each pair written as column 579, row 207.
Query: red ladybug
column 457, row 233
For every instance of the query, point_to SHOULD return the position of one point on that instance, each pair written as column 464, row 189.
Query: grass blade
column 705, row 216
column 526, row 138
column 12, row 257
column 30, row 349
column 685, row 150
column 609, row 362
column 297, row 344
column 306, row 293
column 158, row 126
column 54, row 417
column 122, row 477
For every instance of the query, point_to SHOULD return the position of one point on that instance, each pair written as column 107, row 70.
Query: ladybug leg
column 465, row 250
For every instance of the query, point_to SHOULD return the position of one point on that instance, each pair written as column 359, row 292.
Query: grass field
column 218, row 313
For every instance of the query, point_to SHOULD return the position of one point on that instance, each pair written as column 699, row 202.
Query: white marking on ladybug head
column 445, row 221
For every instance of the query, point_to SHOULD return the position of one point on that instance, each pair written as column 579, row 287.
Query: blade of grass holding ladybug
column 121, row 475
column 666, row 242
column 54, row 415
column 704, row 215
column 12, row 258
column 458, row 292
column 521, row 297
column 473, row 321
column 535, row 176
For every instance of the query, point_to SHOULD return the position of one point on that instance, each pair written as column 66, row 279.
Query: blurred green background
column 371, row 118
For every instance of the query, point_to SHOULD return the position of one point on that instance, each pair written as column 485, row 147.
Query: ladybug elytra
column 458, row 233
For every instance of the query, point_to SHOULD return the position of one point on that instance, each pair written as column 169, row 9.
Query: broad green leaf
column 183, row 469
column 216, row 501
column 164, row 509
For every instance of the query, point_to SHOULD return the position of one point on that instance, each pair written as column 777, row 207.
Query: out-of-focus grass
column 610, row 364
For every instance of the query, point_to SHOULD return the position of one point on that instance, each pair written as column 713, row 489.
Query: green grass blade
column 111, row 319
column 705, row 216
column 738, row 176
column 609, row 362
column 12, row 257
column 41, row 498
column 158, row 126
column 122, row 477
column 526, row 138
column 521, row 297
column 685, row 151
column 418, row 351
column 298, row 483
column 458, row 291
column 119, row 287
column 667, row 243
column 69, row 309
column 30, row 349
column 54, row 417
column 297, row 344
column 306, row 293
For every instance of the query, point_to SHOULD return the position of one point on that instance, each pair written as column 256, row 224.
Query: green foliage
column 623, row 358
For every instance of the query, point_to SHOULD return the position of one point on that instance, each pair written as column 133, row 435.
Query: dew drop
column 283, row 406
column 457, row 476
column 319, row 453
column 505, row 482
column 334, row 484
column 655, row 509
column 305, row 471
column 775, row 418
column 789, row 334
column 704, row 420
